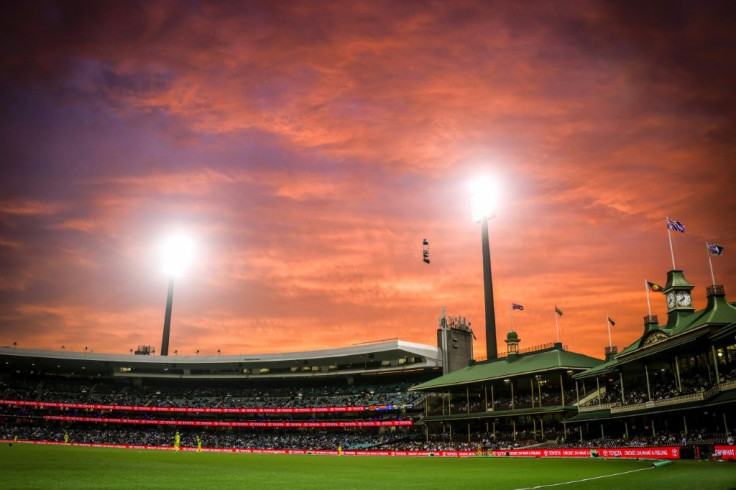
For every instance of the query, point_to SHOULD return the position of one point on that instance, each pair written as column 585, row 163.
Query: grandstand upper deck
column 385, row 357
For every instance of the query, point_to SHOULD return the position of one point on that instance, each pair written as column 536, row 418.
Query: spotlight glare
column 483, row 198
column 177, row 252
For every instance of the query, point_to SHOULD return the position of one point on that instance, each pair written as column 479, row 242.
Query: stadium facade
column 386, row 357
column 675, row 384
column 351, row 396
column 677, row 379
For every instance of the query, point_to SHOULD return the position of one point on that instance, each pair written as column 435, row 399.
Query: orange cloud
column 29, row 207
column 310, row 147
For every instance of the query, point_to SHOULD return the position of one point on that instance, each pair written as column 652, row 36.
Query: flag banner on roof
column 558, row 311
column 515, row 306
column 675, row 225
column 654, row 286
column 715, row 249
column 613, row 324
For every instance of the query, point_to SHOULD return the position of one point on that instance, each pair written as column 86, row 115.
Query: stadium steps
column 591, row 396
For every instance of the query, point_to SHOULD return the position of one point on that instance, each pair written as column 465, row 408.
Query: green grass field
column 38, row 466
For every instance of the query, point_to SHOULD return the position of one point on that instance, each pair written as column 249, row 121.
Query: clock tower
column 677, row 292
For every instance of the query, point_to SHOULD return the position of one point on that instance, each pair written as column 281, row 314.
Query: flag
column 715, row 249
column 675, row 226
column 558, row 311
column 613, row 324
column 654, row 286
column 514, row 306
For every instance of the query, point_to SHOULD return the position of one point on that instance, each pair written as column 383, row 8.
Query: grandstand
column 674, row 388
column 351, row 397
column 675, row 385
column 385, row 357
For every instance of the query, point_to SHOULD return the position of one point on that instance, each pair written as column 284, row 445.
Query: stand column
column 562, row 390
column 715, row 365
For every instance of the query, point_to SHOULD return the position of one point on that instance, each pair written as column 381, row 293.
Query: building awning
column 589, row 416
column 721, row 398
column 498, row 413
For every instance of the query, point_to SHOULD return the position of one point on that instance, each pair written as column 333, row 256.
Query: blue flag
column 514, row 306
column 715, row 249
column 675, row 226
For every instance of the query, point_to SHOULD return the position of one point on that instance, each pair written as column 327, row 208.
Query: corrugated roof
column 530, row 363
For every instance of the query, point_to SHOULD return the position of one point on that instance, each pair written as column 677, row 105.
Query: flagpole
column 710, row 262
column 557, row 327
column 649, row 306
column 608, row 324
column 669, row 236
column 511, row 315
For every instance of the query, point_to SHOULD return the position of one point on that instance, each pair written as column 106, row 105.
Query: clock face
column 671, row 300
column 684, row 299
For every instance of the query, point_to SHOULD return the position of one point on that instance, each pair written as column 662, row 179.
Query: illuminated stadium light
column 177, row 252
column 483, row 198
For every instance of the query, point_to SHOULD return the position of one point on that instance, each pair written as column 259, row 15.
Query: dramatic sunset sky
column 310, row 146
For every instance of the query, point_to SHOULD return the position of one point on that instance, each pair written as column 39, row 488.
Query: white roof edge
column 411, row 347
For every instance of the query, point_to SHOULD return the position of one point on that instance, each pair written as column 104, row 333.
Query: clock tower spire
column 679, row 297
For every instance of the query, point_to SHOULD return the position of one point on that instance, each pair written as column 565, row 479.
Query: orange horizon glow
column 308, row 148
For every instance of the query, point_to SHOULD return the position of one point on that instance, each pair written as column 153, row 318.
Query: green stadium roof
column 682, row 327
column 718, row 311
column 518, row 365
column 602, row 368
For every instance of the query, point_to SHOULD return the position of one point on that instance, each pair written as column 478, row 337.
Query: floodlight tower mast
column 483, row 201
column 167, row 318
column 177, row 253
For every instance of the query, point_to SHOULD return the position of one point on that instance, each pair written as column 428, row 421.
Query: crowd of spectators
column 408, row 439
column 660, row 439
column 110, row 393
column 212, row 438
column 27, row 423
column 660, row 390
column 549, row 396
column 382, row 416
column 396, row 394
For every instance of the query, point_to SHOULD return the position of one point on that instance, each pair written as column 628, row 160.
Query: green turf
column 37, row 466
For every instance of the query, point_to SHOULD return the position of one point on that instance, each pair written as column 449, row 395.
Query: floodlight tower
column 483, row 194
column 177, row 252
